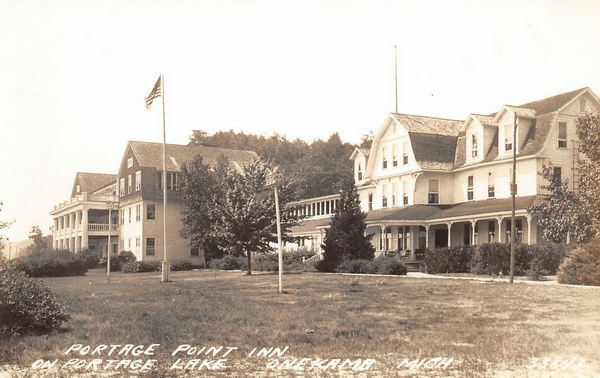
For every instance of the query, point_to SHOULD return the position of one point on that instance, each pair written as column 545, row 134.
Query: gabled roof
column 554, row 103
column 359, row 150
column 428, row 125
column 433, row 151
column 91, row 182
column 149, row 154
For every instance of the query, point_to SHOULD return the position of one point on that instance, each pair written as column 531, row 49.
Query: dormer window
column 405, row 192
column 360, row 176
column 562, row 135
column 508, row 138
column 384, row 158
column 130, row 162
column 370, row 204
column 405, row 154
column 474, row 147
column 384, row 202
column 394, row 155
column 491, row 186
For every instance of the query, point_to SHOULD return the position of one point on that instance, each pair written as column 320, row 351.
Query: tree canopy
column 588, row 130
column 318, row 168
column 231, row 212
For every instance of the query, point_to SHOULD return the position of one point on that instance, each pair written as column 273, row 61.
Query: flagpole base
column 165, row 270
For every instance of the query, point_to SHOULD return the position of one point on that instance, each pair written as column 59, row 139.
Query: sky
column 74, row 74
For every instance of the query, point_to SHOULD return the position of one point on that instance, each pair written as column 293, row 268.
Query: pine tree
column 346, row 238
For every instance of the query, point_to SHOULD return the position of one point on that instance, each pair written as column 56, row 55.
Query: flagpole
column 165, row 266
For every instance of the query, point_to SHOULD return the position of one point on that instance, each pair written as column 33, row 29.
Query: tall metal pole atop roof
column 165, row 262
column 513, row 236
column 396, row 76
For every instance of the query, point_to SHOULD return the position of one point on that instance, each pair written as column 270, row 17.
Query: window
column 137, row 241
column 151, row 211
column 129, row 215
column 370, row 201
column 405, row 192
column 508, row 138
column 194, row 251
column 491, row 231
column 138, row 212
column 122, row 216
column 514, row 184
column 474, row 148
column 122, row 187
column 150, row 251
column 171, row 181
column 384, row 158
column 394, row 155
column 557, row 173
column 78, row 189
column 129, row 243
column 129, row 184
column 384, row 195
column 160, row 183
column 138, row 181
column 562, row 135
column 359, row 173
column 434, row 196
column 394, row 192
column 491, row 186
column 405, row 154
column 470, row 188
column 519, row 228
column 130, row 162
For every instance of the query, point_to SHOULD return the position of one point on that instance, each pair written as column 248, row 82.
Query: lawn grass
column 486, row 327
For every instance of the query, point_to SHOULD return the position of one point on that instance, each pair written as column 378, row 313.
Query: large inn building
column 432, row 182
column 136, row 192
column 425, row 182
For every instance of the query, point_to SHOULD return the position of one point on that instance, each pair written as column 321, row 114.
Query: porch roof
column 484, row 207
column 406, row 213
column 310, row 225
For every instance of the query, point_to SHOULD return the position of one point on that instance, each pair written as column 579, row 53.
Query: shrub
column 581, row 266
column 178, row 265
column 363, row 266
column 229, row 262
column 494, row 258
column 544, row 259
column 27, row 304
column 115, row 263
column 50, row 263
column 449, row 260
column 141, row 266
column 389, row 265
column 90, row 258
column 125, row 257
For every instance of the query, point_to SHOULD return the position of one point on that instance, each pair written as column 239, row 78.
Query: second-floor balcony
column 100, row 227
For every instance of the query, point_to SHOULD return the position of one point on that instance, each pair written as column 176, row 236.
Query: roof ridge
column 95, row 173
column 439, row 135
column 193, row 146
column 424, row 116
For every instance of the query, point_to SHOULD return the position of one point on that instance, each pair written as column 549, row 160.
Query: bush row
column 533, row 260
column 155, row 266
column 380, row 265
column 50, row 263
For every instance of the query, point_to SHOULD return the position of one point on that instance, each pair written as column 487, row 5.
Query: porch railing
column 102, row 227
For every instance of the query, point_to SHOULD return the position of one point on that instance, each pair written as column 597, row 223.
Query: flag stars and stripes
column 156, row 92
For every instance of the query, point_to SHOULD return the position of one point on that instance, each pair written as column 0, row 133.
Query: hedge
column 581, row 266
column 380, row 265
column 494, row 258
column 50, row 263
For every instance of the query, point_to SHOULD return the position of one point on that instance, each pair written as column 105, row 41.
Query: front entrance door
column 441, row 237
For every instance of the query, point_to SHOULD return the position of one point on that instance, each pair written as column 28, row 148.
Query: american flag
column 154, row 93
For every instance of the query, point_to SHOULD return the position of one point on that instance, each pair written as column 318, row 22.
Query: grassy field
column 489, row 328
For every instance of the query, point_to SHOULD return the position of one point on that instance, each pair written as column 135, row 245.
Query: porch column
column 499, row 219
column 427, row 236
column 449, row 224
column 528, row 217
column 473, row 224
column 84, row 228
